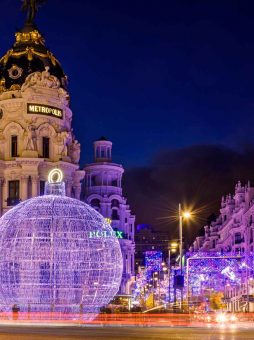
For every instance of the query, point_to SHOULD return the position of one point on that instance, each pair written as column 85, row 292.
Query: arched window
column 96, row 204
column 114, row 203
column 114, row 215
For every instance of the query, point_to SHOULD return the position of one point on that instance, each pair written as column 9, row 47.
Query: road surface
column 123, row 333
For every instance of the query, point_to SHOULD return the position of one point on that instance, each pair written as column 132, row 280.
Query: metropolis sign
column 45, row 110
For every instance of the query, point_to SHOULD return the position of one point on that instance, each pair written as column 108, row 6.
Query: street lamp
column 182, row 215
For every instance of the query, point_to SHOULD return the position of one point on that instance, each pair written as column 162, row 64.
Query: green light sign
column 105, row 234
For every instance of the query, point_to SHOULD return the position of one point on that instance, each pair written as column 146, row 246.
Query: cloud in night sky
column 198, row 175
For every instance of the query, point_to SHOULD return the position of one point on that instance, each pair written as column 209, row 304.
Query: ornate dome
column 28, row 54
column 57, row 254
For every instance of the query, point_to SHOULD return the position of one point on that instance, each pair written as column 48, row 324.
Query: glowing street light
column 182, row 215
column 186, row 215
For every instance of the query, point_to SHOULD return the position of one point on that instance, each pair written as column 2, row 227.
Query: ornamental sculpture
column 31, row 7
column 43, row 79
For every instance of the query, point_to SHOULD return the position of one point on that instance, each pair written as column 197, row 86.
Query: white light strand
column 55, row 176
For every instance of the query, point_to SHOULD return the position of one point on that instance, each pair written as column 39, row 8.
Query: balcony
column 103, row 189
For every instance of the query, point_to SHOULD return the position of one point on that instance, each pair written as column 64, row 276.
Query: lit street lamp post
column 172, row 248
column 181, row 215
column 180, row 236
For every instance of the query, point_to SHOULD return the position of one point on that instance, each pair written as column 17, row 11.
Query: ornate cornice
column 29, row 37
column 29, row 52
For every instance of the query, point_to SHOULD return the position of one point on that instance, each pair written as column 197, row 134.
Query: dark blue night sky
column 152, row 76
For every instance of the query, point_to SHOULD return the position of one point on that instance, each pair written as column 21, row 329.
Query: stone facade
column 103, row 191
column 233, row 230
column 36, row 136
column 35, row 128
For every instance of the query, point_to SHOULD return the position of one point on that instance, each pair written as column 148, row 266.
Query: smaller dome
column 28, row 55
column 102, row 138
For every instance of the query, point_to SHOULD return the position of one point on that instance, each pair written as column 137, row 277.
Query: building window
column 93, row 181
column 115, row 203
column 45, row 147
column 13, row 197
column 14, row 146
column 114, row 183
column 238, row 238
column 96, row 204
column 251, row 235
column 42, row 188
column 97, row 153
column 114, row 216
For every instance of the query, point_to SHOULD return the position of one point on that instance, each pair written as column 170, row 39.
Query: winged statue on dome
column 31, row 7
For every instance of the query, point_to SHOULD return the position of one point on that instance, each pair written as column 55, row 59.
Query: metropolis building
column 36, row 136
column 35, row 121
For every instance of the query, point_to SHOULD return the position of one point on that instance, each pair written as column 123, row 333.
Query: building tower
column 103, row 191
column 35, row 121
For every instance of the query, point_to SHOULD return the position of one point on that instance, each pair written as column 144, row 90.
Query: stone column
column 103, row 209
column 23, row 188
column 5, row 193
column 108, row 210
column 1, row 196
column 77, row 191
column 35, row 180
column 68, row 186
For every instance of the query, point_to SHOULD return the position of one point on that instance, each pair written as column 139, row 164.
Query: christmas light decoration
column 153, row 260
column 48, row 262
column 213, row 271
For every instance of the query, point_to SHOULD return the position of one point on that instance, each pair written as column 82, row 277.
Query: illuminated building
column 148, row 239
column 53, row 263
column 35, row 121
column 36, row 135
column 233, row 230
column 232, row 233
column 103, row 191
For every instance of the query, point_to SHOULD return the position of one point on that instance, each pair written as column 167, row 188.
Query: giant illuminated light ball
column 57, row 254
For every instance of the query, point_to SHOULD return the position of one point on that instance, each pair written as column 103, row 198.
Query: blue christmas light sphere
column 57, row 254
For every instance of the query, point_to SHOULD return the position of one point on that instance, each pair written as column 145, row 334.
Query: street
column 125, row 333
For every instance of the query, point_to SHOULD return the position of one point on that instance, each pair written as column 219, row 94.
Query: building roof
column 28, row 54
